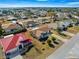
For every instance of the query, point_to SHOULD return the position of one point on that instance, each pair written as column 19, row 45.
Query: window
column 20, row 46
column 8, row 53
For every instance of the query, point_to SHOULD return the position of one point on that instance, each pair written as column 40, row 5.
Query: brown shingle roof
column 13, row 26
column 38, row 32
column 31, row 22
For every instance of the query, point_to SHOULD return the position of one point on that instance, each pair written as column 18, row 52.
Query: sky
column 39, row 3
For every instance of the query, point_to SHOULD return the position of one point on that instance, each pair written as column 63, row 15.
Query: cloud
column 73, row 3
column 41, row 0
column 29, row 5
column 69, row 4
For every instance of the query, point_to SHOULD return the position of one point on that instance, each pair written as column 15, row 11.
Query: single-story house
column 65, row 23
column 44, row 21
column 31, row 24
column 13, row 26
column 12, row 19
column 16, row 44
column 60, row 15
column 41, row 33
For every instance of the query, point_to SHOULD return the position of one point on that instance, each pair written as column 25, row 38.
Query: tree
column 1, row 30
column 59, row 29
column 50, row 13
column 53, row 39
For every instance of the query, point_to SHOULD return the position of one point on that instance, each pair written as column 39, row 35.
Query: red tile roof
column 14, row 41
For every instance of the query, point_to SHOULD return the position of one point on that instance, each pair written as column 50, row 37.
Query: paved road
column 74, row 52
column 65, row 48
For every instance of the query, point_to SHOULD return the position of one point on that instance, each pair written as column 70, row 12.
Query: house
column 45, row 21
column 52, row 19
column 42, row 13
column 41, row 33
column 16, row 45
column 31, row 24
column 60, row 15
column 65, row 23
column 13, row 26
column 23, row 16
column 53, row 26
column 13, row 19
column 34, row 16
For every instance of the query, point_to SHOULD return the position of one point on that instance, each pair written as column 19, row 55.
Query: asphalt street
column 63, row 51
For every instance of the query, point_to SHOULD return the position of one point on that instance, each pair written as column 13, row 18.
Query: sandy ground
column 74, row 29
column 40, row 51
